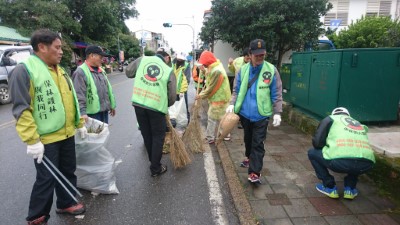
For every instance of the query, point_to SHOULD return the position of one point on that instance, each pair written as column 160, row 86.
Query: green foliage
column 149, row 52
column 369, row 32
column 283, row 24
column 90, row 21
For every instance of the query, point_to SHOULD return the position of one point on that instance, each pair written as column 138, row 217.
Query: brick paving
column 287, row 194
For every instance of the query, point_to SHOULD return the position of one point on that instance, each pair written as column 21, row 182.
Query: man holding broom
column 217, row 92
column 154, row 90
column 257, row 96
column 47, row 113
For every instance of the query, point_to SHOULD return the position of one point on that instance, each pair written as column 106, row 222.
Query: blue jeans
column 353, row 167
column 102, row 116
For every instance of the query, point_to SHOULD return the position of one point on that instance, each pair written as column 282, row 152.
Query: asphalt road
column 177, row 197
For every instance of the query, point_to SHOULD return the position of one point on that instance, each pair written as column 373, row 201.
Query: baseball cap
column 257, row 47
column 164, row 50
column 94, row 49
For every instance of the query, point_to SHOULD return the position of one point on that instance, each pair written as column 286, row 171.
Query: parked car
column 10, row 56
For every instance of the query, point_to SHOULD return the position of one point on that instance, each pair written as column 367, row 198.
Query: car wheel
column 5, row 97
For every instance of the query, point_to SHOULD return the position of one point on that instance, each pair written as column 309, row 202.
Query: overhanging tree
column 90, row 21
column 283, row 24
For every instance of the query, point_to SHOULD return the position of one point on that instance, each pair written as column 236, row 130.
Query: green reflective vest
column 150, row 86
column 92, row 98
column 263, row 93
column 179, row 78
column 347, row 138
column 223, row 94
column 48, row 112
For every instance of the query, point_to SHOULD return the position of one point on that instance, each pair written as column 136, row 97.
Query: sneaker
column 245, row 163
column 38, row 221
column 330, row 192
column 73, row 210
column 254, row 178
column 350, row 193
column 163, row 170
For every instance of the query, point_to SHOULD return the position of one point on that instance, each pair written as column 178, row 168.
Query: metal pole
column 193, row 51
column 60, row 182
column 61, row 175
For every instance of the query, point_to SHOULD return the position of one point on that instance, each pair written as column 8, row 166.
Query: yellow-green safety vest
column 263, row 92
column 49, row 112
column 92, row 98
column 150, row 86
column 347, row 138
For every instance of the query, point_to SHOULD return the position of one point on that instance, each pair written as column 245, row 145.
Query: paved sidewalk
column 287, row 194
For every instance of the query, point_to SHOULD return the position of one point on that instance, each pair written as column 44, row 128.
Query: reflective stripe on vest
column 263, row 93
column 223, row 92
column 347, row 138
column 150, row 86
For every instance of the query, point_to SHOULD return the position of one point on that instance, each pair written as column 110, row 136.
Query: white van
column 10, row 56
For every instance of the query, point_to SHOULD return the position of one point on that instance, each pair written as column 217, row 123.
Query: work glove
column 82, row 132
column 277, row 120
column 36, row 151
column 229, row 109
column 181, row 95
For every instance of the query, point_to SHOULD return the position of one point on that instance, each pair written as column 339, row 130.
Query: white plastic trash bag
column 178, row 112
column 95, row 165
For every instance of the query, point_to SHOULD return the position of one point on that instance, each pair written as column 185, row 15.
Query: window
column 378, row 8
column 340, row 11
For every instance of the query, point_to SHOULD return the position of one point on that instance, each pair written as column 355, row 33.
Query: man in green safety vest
column 94, row 91
column 256, row 98
column 154, row 90
column 47, row 113
column 340, row 144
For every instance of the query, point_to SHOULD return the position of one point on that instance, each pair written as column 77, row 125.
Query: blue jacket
column 249, row 108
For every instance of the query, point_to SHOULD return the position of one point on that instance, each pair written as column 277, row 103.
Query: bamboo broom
column 193, row 136
column 179, row 156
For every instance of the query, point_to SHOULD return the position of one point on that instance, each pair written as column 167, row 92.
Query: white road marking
column 216, row 200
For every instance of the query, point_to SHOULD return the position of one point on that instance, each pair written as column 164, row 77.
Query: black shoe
column 163, row 170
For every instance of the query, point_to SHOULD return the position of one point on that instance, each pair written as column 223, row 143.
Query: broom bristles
column 193, row 135
column 179, row 156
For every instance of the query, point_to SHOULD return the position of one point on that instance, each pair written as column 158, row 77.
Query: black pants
column 152, row 126
column 254, row 137
column 62, row 155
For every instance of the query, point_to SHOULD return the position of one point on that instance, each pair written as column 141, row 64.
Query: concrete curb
column 240, row 200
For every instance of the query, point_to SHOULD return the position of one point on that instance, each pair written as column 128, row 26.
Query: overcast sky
column 153, row 13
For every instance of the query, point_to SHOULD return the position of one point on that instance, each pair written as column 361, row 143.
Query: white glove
column 36, row 151
column 229, row 109
column 181, row 95
column 82, row 132
column 277, row 120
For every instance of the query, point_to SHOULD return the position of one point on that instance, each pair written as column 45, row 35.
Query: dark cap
column 257, row 47
column 94, row 49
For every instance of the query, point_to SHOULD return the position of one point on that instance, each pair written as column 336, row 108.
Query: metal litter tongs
column 46, row 162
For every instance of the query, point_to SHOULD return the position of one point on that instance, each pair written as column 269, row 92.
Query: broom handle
column 198, row 87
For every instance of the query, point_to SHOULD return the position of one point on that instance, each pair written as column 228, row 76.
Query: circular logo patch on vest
column 153, row 72
column 351, row 123
column 267, row 77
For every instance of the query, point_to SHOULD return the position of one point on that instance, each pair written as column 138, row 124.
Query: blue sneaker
column 350, row 193
column 330, row 192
